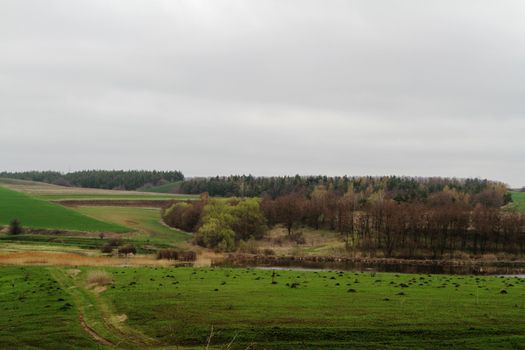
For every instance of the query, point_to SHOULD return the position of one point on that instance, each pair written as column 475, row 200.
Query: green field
column 37, row 313
column 37, row 213
column 146, row 221
column 54, row 192
column 109, row 196
column 147, row 232
column 164, row 307
column 518, row 199
column 171, row 187
column 322, row 311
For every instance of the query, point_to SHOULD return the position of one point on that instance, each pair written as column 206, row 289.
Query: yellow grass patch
column 120, row 318
column 98, row 280
column 73, row 272
column 71, row 259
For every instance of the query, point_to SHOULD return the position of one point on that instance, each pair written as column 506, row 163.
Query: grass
column 69, row 243
column 55, row 240
column 145, row 221
column 317, row 242
column 117, row 196
column 518, row 199
column 36, row 313
column 51, row 192
column 171, row 187
column 312, row 310
column 43, row 256
column 98, row 278
column 141, row 227
column 165, row 307
column 37, row 213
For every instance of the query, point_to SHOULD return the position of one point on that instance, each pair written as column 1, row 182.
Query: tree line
column 398, row 187
column 467, row 216
column 105, row 179
column 445, row 224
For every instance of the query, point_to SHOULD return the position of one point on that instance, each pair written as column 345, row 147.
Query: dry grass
column 120, row 318
column 488, row 257
column 71, row 259
column 205, row 258
column 98, row 279
column 73, row 272
column 317, row 242
column 40, row 188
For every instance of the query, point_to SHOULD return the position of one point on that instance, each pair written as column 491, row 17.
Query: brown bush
column 187, row 256
column 106, row 248
column 115, row 242
column 489, row 257
column 297, row 237
column 168, row 254
column 249, row 247
column 127, row 249
column 268, row 251
column 173, row 254
column 98, row 278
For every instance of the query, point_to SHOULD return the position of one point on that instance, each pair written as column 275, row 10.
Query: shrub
column 115, row 242
column 268, row 251
column 489, row 257
column 173, row 254
column 106, row 248
column 98, row 278
column 187, row 256
column 15, row 227
column 183, row 215
column 249, row 221
column 297, row 237
column 168, row 254
column 127, row 249
column 217, row 234
column 249, row 246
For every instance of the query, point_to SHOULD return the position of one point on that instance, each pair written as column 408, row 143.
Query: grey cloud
column 265, row 87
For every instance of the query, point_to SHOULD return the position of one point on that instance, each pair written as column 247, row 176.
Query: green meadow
column 297, row 309
column 135, row 196
column 145, row 221
column 36, row 312
column 38, row 213
column 518, row 199
column 162, row 308
column 170, row 187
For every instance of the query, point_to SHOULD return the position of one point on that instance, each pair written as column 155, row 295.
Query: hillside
column 36, row 213
column 518, row 199
column 47, row 191
column 171, row 187
column 105, row 179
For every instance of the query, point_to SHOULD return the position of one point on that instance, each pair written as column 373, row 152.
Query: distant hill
column 104, row 179
column 171, row 187
column 36, row 213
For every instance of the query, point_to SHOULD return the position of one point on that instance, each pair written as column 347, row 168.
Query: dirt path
column 96, row 316
column 98, row 338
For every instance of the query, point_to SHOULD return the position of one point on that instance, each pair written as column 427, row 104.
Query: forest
column 105, row 179
column 400, row 188
column 388, row 217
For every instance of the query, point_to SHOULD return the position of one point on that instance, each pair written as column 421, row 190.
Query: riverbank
column 455, row 267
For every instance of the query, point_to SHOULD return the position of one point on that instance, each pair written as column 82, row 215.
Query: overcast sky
column 265, row 87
